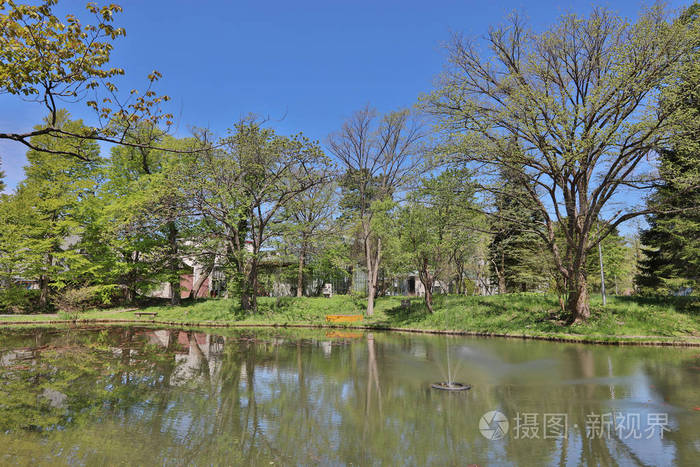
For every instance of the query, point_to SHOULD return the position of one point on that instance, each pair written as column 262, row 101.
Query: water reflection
column 157, row 396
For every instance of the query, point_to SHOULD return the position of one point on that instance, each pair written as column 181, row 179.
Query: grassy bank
column 624, row 318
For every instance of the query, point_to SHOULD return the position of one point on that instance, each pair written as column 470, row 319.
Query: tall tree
column 240, row 190
column 53, row 188
column 435, row 216
column 134, row 233
column 515, row 251
column 309, row 218
column 157, row 197
column 15, row 262
column 571, row 110
column 379, row 157
column 672, row 241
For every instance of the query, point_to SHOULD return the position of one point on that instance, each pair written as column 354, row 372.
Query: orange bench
column 344, row 334
column 343, row 318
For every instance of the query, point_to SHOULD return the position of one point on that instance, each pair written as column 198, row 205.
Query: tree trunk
column 501, row 284
column 501, row 276
column 174, row 292
column 246, row 301
column 461, row 288
column 577, row 304
column 372, row 284
column 429, row 299
column 300, row 273
column 427, row 281
column 249, row 290
column 129, row 296
column 373, row 261
column 44, row 291
column 174, row 264
column 44, row 284
column 370, row 300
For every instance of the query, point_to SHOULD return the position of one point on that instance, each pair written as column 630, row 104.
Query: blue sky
column 308, row 64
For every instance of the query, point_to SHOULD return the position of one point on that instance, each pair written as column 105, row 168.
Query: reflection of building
column 197, row 355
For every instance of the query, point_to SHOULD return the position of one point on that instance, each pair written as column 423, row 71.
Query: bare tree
column 573, row 112
column 379, row 157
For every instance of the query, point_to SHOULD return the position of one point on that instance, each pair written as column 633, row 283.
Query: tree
column 434, row 217
column 146, row 172
column 573, row 112
column 515, row 251
column 133, row 235
column 379, row 158
column 616, row 263
column 670, row 245
column 15, row 218
column 54, row 187
column 309, row 218
column 240, row 190
column 672, row 241
column 468, row 254
column 53, row 62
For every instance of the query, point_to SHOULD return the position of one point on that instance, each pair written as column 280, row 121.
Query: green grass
column 624, row 318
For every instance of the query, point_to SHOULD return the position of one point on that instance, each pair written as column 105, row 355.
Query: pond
column 141, row 396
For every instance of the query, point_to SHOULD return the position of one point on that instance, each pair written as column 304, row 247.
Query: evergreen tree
column 515, row 252
column 672, row 241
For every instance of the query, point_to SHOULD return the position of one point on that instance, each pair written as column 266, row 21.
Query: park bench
column 152, row 314
column 343, row 318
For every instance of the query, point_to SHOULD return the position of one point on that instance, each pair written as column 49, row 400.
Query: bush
column 18, row 299
column 80, row 299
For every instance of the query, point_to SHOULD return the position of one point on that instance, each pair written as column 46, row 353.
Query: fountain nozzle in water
column 450, row 385
column 447, row 386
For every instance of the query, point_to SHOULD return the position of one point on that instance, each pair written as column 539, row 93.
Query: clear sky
column 308, row 64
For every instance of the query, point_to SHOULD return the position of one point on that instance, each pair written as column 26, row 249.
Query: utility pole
column 602, row 273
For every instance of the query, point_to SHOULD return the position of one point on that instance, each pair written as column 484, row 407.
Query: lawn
column 623, row 318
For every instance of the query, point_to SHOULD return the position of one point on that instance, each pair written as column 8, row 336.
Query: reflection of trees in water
column 372, row 379
column 163, row 395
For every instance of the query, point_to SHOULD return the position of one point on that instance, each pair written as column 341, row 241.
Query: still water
column 140, row 396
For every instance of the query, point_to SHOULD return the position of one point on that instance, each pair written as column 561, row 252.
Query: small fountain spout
column 450, row 384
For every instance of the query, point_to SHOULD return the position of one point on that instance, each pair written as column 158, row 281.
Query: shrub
column 82, row 298
column 18, row 299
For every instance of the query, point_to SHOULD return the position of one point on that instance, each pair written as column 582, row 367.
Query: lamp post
column 602, row 272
